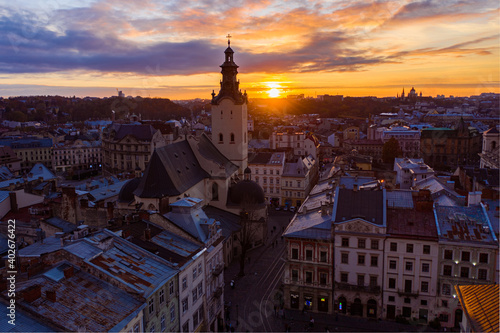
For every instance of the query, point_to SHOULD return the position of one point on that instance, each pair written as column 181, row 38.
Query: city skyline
column 172, row 50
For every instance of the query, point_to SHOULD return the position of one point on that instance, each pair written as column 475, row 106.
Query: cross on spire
column 228, row 39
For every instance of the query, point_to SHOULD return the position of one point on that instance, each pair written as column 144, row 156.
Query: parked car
column 285, row 208
column 278, row 208
column 292, row 209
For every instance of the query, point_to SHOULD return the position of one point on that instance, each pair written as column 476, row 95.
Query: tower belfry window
column 221, row 137
column 232, row 137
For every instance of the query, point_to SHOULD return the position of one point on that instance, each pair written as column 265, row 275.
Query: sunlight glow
column 273, row 93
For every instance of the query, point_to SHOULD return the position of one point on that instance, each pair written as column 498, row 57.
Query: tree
column 391, row 150
column 249, row 229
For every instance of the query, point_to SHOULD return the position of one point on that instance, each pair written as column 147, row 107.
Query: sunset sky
column 173, row 49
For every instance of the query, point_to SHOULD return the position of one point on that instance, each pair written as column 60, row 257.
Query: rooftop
column 83, row 302
column 469, row 224
column 368, row 205
column 481, row 306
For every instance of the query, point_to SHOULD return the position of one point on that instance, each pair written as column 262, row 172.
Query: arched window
column 215, row 192
column 221, row 137
column 232, row 137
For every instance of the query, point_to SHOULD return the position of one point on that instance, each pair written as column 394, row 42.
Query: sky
column 173, row 49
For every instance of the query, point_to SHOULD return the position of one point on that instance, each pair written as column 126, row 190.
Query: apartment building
column 468, row 254
column 410, row 257
column 77, row 155
column 411, row 170
column 31, row 150
column 127, row 147
column 408, row 139
column 267, row 170
column 302, row 143
column 297, row 180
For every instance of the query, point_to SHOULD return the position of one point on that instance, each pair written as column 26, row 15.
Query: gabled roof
column 209, row 151
column 172, row 170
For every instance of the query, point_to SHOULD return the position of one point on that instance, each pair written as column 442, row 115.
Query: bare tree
column 250, row 228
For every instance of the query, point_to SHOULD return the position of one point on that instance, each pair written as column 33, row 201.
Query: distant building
column 77, row 155
column 301, row 143
column 127, row 147
column 490, row 153
column 267, row 170
column 9, row 159
column 410, row 171
column 30, row 150
column 297, row 180
column 447, row 148
column 351, row 133
column 408, row 139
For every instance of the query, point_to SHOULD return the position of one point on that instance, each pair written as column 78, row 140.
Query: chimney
column 32, row 293
column 110, row 210
column 147, row 233
column 13, row 201
column 51, row 295
column 474, row 198
column 69, row 272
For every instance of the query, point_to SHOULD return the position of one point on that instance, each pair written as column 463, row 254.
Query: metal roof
column 64, row 225
column 481, row 306
column 399, row 199
column 83, row 302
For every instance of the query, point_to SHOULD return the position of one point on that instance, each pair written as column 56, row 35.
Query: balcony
column 407, row 293
column 218, row 292
column 217, row 269
column 356, row 288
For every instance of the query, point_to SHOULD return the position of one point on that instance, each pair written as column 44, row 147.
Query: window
column 392, row 283
column 447, row 270
column 322, row 256
column 373, row 281
column 185, row 327
column 309, row 255
column 407, row 300
column 344, row 258
column 172, row 314
column 162, row 323
column 361, row 243
column 232, row 137
column 295, row 275
column 309, row 277
column 465, row 256
column 221, row 137
column 425, row 267
column 361, row 259
column 409, row 266
column 151, row 305
column 344, row 277
column 152, row 329
column 295, row 253
column 162, row 296
column 446, row 290
column 409, row 248
column 394, row 247
column 184, row 283
column 185, row 305
column 345, row 242
column 195, row 295
column 448, row 254
column 423, row 302
column 464, row 272
column 195, row 320
column 271, row 172
column 483, row 258
column 482, row 274
column 444, row 303
column 392, row 299
column 361, row 280
column 427, row 249
column 374, row 261
column 200, row 289
column 322, row 278
column 374, row 244
column 443, row 317
column 424, row 287
column 195, row 274
column 171, row 287
column 408, row 284
column 392, row 264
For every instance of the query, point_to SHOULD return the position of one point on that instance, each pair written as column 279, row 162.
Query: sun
column 273, row 93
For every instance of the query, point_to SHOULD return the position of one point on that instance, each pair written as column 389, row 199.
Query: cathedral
column 211, row 169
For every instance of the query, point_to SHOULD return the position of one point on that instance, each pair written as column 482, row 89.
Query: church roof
column 208, row 150
column 172, row 170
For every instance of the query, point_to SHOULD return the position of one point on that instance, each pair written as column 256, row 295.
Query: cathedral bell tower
column 229, row 114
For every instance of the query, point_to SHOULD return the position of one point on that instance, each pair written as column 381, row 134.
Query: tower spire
column 229, row 40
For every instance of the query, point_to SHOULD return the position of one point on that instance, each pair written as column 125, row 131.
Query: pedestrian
column 232, row 285
column 311, row 322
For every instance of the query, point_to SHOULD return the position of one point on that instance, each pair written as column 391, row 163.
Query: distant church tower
column 229, row 115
